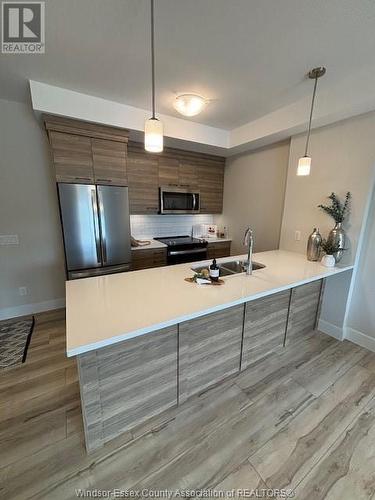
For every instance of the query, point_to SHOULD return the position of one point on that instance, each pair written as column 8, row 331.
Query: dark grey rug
column 15, row 337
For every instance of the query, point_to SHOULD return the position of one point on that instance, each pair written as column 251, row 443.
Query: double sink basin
column 230, row 268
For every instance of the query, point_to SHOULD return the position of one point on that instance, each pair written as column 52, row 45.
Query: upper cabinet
column 109, row 161
column 72, row 157
column 211, row 186
column 96, row 154
column 87, row 153
column 175, row 168
column 143, row 184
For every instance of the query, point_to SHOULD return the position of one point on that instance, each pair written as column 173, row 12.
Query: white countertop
column 103, row 310
column 152, row 246
column 217, row 240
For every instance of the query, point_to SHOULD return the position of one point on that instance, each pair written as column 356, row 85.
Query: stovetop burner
column 171, row 241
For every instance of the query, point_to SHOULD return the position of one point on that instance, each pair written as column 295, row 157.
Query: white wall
column 343, row 156
column 254, row 187
column 28, row 208
column 361, row 314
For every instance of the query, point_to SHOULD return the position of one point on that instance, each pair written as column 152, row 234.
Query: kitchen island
column 148, row 340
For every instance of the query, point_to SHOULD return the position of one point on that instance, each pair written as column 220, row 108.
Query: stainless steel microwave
column 179, row 200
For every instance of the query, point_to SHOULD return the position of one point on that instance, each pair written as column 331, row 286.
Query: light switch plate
column 9, row 239
column 297, row 235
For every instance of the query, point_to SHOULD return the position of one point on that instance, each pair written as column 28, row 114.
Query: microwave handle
column 195, row 202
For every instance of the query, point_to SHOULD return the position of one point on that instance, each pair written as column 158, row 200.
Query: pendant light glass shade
column 153, row 135
column 304, row 165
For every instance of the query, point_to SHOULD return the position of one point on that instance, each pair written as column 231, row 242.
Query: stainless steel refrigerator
column 96, row 229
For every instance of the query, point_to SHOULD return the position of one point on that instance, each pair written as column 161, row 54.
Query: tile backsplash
column 148, row 226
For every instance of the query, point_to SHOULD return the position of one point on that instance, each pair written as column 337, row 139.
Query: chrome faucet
column 249, row 242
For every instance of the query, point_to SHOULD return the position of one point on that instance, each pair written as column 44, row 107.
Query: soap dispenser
column 214, row 271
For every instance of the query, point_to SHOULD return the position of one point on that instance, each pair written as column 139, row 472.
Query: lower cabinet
column 264, row 326
column 218, row 249
column 144, row 259
column 127, row 383
column 304, row 309
column 209, row 350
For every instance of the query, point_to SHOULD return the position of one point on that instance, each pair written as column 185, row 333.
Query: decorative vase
column 337, row 236
column 328, row 261
column 313, row 245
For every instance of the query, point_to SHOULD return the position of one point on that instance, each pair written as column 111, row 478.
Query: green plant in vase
column 339, row 211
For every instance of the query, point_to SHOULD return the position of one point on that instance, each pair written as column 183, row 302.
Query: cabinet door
column 264, row 326
column 187, row 175
column 211, row 182
column 145, row 259
column 168, row 172
column 72, row 157
column 209, row 350
column 143, row 184
column 109, row 158
column 217, row 250
column 127, row 383
column 304, row 306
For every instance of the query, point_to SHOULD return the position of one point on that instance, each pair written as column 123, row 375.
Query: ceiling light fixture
column 153, row 126
column 189, row 104
column 304, row 163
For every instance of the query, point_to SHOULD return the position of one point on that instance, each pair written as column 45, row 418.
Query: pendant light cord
column 311, row 114
column 152, row 59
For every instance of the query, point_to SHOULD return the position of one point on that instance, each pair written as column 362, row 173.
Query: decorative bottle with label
column 214, row 271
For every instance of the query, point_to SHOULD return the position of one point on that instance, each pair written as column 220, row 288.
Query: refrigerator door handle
column 103, row 240
column 96, row 225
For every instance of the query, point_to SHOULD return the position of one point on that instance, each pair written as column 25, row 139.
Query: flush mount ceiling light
column 153, row 126
column 189, row 104
column 304, row 163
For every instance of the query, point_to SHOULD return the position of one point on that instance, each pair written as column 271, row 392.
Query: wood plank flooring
column 301, row 419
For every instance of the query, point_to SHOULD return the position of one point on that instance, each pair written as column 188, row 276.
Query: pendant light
column 153, row 126
column 304, row 163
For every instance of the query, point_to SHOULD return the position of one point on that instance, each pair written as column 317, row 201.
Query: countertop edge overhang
column 273, row 288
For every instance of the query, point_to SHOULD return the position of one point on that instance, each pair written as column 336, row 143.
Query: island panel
column 264, row 326
column 209, row 350
column 126, row 384
column 304, row 309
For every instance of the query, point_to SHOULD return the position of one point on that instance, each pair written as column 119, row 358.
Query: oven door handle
column 185, row 252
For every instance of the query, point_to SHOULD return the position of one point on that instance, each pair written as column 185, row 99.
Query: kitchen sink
column 231, row 267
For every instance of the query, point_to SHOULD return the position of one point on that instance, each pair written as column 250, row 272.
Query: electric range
column 182, row 249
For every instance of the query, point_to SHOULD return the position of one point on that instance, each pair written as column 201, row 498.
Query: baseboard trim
column 25, row 309
column 331, row 329
column 360, row 338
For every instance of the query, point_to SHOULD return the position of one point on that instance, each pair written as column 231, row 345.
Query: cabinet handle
column 83, row 179
column 103, row 180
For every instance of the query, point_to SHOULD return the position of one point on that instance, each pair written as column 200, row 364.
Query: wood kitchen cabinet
column 127, row 383
column 87, row 152
column 218, row 249
column 209, row 350
column 211, row 186
column 188, row 175
column 145, row 259
column 143, row 178
column 304, row 309
column 265, row 325
column 109, row 162
column 72, row 157
column 168, row 172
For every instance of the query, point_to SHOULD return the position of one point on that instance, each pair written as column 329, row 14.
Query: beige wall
column 343, row 156
column 28, row 208
column 254, row 187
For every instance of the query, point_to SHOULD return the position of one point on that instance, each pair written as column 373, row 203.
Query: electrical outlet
column 22, row 290
column 297, row 235
column 9, row 239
